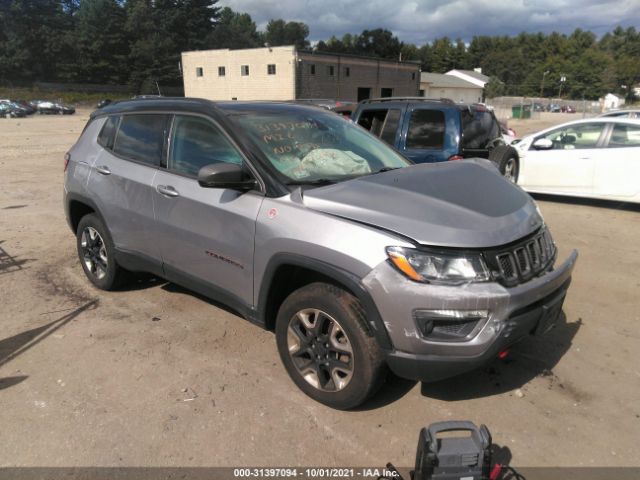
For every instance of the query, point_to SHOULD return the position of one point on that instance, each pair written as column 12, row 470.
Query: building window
column 347, row 72
column 330, row 70
column 221, row 71
column 413, row 75
column 199, row 72
column 244, row 70
column 312, row 69
column 386, row 92
column 271, row 69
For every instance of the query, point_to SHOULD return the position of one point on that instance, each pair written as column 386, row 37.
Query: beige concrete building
column 284, row 73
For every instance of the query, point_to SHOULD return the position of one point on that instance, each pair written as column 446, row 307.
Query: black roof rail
column 412, row 99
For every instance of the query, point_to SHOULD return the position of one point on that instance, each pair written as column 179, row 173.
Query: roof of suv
column 443, row 102
column 199, row 105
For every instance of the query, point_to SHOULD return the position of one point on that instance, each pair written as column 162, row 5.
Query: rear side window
column 108, row 132
column 478, row 128
column 141, row 138
column 625, row 136
column 426, row 130
column 196, row 142
column 382, row 123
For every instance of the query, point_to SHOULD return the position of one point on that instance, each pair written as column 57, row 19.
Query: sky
column 421, row 21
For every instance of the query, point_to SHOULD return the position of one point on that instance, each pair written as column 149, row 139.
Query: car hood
column 464, row 204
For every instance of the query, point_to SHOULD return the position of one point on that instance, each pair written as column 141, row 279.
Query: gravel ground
column 157, row 376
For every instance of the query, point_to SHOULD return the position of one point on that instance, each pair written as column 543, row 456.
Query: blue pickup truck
column 426, row 130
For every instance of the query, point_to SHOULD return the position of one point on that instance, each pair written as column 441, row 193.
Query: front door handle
column 104, row 170
column 167, row 190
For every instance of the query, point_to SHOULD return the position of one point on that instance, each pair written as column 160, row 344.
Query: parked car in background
column 597, row 158
column 359, row 260
column 30, row 110
column 538, row 107
column 10, row 109
column 49, row 108
column 567, row 109
column 554, row 108
column 508, row 134
column 628, row 113
column 428, row 131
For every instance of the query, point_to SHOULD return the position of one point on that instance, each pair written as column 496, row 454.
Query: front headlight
column 441, row 268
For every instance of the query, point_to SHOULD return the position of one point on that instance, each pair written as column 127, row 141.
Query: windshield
column 317, row 147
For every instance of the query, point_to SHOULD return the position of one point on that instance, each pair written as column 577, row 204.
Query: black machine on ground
column 467, row 456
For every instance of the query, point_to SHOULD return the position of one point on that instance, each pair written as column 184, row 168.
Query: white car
column 596, row 158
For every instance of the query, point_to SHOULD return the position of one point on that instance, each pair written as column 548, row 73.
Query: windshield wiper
column 385, row 169
column 317, row 181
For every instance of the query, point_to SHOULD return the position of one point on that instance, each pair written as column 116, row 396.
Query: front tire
column 326, row 348
column 97, row 254
column 507, row 161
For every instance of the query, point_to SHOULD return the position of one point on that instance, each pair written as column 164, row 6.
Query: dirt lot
column 158, row 376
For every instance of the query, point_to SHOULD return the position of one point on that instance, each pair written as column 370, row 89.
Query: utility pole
column 542, row 83
column 563, row 79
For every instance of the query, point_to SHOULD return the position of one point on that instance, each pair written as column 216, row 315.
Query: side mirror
column 225, row 175
column 543, row 144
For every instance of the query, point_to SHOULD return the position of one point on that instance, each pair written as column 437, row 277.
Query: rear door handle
column 167, row 190
column 104, row 170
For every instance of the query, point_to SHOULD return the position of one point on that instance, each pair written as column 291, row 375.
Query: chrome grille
column 523, row 260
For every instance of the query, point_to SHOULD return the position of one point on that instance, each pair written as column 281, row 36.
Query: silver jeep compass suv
column 308, row 225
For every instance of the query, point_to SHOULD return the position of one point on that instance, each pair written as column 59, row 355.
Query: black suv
column 427, row 130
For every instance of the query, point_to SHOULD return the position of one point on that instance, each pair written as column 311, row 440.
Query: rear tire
column 326, row 348
column 97, row 254
column 507, row 161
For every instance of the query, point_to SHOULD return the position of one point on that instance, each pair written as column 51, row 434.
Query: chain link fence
column 531, row 107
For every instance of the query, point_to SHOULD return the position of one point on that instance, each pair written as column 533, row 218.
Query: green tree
column 280, row 32
column 100, row 42
column 234, row 30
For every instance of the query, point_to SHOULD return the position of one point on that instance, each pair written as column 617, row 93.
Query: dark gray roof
column 445, row 81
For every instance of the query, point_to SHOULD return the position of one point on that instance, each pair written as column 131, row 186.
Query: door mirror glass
column 543, row 144
column 225, row 175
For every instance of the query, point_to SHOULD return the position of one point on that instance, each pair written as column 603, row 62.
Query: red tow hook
column 503, row 354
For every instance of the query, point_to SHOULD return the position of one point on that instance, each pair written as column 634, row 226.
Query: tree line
column 138, row 42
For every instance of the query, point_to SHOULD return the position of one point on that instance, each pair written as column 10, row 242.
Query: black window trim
column 165, row 166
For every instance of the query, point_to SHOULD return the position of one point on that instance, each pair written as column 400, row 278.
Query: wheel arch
column 286, row 273
column 78, row 206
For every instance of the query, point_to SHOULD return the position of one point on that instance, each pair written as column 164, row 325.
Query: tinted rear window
column 478, row 128
column 426, row 129
column 141, row 138
column 108, row 132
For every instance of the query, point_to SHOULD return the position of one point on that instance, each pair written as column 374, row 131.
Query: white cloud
column 420, row 21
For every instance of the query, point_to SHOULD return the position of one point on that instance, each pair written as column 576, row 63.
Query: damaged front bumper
column 511, row 313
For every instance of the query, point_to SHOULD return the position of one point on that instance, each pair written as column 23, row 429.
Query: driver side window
column 575, row 137
column 196, row 142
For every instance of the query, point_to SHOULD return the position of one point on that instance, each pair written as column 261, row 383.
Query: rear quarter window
column 426, row 129
column 108, row 132
column 141, row 138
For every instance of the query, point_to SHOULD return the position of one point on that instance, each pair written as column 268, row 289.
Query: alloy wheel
column 94, row 252
column 320, row 350
column 510, row 170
